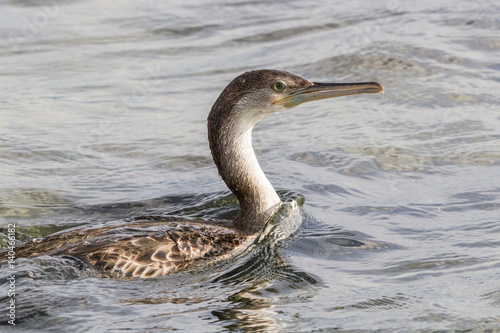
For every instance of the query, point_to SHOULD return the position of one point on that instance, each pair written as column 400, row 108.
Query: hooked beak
column 328, row 90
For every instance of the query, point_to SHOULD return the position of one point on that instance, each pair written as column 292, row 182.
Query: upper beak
column 328, row 90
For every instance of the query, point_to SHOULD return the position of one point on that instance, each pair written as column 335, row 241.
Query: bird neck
column 230, row 141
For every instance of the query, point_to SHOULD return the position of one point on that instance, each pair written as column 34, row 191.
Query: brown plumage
column 154, row 248
column 141, row 249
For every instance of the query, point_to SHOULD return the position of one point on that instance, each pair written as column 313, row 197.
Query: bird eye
column 279, row 86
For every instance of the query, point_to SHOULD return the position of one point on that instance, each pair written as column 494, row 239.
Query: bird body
column 154, row 248
column 142, row 249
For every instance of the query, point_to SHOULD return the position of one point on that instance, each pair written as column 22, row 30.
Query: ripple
column 316, row 239
column 380, row 211
column 493, row 297
column 383, row 303
column 280, row 34
column 338, row 160
column 329, row 188
column 413, row 270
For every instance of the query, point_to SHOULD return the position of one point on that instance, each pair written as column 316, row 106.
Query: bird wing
column 141, row 250
column 162, row 253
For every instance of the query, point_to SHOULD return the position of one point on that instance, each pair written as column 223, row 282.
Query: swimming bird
column 158, row 247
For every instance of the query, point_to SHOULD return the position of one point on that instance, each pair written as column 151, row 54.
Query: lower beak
column 328, row 90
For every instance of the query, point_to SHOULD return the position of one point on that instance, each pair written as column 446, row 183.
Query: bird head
column 269, row 91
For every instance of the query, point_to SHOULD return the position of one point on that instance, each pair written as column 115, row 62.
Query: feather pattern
column 142, row 250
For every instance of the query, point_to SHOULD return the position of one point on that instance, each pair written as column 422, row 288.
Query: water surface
column 103, row 119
